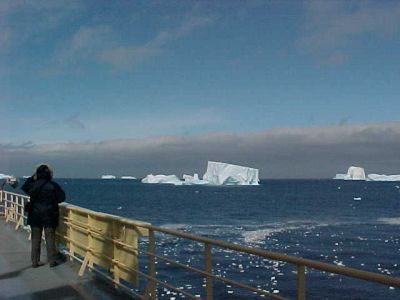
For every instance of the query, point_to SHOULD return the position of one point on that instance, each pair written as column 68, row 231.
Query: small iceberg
column 4, row 176
column 128, row 177
column 108, row 177
column 357, row 198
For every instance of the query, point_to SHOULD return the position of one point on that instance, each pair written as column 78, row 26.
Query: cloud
column 332, row 27
column 84, row 44
column 123, row 57
column 281, row 153
column 22, row 21
column 74, row 122
column 5, row 37
column 100, row 43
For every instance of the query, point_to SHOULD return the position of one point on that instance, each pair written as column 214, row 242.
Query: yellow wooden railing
column 106, row 242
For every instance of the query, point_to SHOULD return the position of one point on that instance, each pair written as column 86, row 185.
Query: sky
column 298, row 89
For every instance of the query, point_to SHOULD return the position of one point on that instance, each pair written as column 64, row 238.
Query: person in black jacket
column 45, row 195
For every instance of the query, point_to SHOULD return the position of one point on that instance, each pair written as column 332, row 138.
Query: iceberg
column 219, row 173
column 353, row 173
column 166, row 179
column 108, row 177
column 383, row 177
column 188, row 179
column 4, row 176
column 128, row 177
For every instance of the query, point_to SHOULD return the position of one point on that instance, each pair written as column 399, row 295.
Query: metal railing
column 107, row 242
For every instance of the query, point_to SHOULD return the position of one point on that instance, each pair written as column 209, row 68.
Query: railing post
column 208, row 269
column 301, row 282
column 2, row 198
column 115, row 260
column 70, row 234
column 152, row 287
column 5, row 206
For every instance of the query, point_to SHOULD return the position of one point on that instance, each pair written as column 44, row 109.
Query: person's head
column 44, row 171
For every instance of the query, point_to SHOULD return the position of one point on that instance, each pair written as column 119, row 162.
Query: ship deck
column 18, row 280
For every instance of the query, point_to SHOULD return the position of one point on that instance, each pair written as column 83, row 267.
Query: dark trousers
column 50, row 235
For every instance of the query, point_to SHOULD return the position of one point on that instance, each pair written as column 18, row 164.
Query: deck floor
column 18, row 280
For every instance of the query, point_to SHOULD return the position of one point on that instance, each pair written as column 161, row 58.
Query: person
column 45, row 195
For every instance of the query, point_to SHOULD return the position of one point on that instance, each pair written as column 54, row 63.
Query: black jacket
column 45, row 196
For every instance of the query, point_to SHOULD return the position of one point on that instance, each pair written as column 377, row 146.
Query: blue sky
column 92, row 71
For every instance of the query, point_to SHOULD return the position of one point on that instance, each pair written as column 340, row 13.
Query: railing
column 107, row 242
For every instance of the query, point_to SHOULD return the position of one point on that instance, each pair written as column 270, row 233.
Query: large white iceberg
column 379, row 177
column 108, row 177
column 353, row 173
column 219, row 173
column 168, row 179
column 188, row 179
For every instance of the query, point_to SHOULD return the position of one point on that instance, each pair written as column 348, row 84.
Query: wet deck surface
column 18, row 280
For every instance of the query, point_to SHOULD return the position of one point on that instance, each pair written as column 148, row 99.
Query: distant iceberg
column 108, row 177
column 219, row 173
column 340, row 176
column 378, row 177
column 167, row 179
column 4, row 176
column 353, row 173
column 188, row 179
column 128, row 177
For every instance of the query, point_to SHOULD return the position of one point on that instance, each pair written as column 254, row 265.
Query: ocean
column 350, row 223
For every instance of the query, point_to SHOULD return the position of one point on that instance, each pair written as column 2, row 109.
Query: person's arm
column 60, row 194
column 28, row 185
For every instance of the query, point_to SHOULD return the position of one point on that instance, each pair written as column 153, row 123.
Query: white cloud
column 100, row 43
column 84, row 44
column 24, row 20
column 332, row 27
column 127, row 56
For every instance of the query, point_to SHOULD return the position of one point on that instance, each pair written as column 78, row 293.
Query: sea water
column 347, row 223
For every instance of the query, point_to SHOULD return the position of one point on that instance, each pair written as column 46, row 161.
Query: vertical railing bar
column 208, row 269
column 115, row 258
column 152, row 266
column 301, row 282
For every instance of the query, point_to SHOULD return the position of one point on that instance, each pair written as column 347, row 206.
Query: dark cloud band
column 280, row 153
